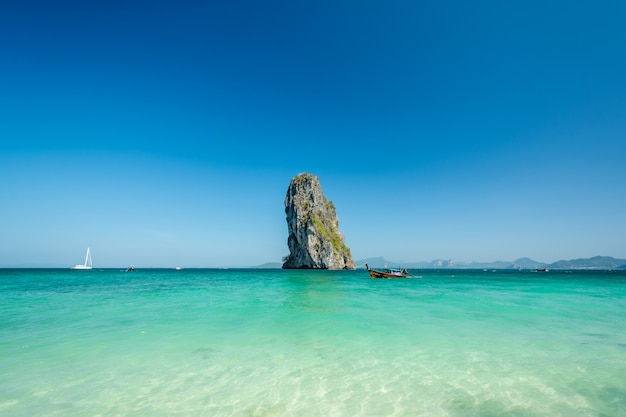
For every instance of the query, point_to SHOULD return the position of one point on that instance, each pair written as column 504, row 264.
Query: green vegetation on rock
column 329, row 232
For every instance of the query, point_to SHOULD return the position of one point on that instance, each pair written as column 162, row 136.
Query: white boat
column 87, row 264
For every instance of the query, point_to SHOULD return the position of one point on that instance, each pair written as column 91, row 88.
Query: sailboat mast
column 87, row 257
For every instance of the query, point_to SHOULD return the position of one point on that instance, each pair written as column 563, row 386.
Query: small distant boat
column 541, row 269
column 387, row 272
column 130, row 268
column 87, row 264
column 178, row 268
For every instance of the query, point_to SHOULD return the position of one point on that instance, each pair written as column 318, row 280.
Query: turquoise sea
column 245, row 342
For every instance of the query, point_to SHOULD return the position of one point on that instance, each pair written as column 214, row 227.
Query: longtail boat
column 387, row 272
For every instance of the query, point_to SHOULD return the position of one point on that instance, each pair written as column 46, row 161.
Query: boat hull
column 379, row 274
column 387, row 274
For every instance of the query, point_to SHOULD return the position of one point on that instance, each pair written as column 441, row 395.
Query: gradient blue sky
column 165, row 133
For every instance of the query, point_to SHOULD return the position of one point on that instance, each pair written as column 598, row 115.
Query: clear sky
column 165, row 133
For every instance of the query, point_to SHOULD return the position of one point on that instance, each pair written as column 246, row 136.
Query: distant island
column 594, row 263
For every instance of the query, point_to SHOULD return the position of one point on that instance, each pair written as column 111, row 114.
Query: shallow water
column 311, row 343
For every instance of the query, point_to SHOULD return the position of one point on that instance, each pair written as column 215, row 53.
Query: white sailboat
column 87, row 264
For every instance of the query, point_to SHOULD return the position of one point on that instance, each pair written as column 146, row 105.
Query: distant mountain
column 489, row 265
column 527, row 263
column 269, row 265
column 380, row 262
column 597, row 262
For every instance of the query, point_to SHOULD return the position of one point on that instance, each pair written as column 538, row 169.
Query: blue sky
column 165, row 133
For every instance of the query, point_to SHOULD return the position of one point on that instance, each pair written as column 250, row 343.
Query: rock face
column 314, row 239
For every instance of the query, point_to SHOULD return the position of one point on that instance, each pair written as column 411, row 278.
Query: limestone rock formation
column 314, row 238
